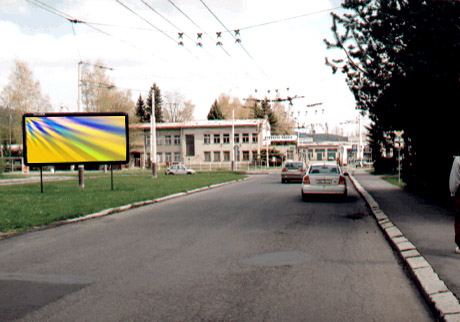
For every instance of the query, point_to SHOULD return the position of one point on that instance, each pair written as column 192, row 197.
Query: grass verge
column 24, row 207
column 393, row 179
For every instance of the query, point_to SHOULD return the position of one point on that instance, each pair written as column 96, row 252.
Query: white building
column 199, row 143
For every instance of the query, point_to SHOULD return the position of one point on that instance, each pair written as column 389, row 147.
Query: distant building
column 200, row 143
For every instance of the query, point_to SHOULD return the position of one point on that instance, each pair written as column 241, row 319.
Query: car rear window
column 294, row 165
column 324, row 169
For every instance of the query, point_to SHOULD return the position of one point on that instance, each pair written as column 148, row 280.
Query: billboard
column 75, row 138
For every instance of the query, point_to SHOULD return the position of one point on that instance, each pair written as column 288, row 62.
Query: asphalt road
column 251, row 251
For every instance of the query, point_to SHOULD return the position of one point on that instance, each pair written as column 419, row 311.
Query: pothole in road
column 277, row 259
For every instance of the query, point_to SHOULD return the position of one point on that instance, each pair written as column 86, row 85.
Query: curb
column 111, row 211
column 438, row 296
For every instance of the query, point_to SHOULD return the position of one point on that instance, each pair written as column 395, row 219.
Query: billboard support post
column 41, row 179
column 111, row 176
column 81, row 176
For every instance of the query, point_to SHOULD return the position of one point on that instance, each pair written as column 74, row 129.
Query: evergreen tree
column 215, row 112
column 156, row 99
column 401, row 63
column 140, row 110
column 263, row 110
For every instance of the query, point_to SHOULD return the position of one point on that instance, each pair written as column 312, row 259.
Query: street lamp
column 153, row 143
column 398, row 141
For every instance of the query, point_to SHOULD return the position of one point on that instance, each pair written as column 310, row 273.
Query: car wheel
column 304, row 197
column 283, row 181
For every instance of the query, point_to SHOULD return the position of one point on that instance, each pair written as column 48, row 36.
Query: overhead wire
column 172, row 24
column 236, row 40
column 287, row 19
column 196, row 25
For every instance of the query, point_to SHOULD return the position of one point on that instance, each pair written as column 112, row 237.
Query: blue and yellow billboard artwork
column 78, row 138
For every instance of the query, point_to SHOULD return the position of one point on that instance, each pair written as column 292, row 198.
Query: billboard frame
column 74, row 114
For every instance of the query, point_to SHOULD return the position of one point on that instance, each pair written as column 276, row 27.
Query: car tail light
column 306, row 180
column 342, row 180
column 284, row 170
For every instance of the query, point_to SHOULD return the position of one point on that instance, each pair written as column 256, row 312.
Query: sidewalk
column 430, row 228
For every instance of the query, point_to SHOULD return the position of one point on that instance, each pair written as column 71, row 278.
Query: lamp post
column 398, row 140
column 153, row 143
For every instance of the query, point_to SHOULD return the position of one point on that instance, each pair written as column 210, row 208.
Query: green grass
column 24, row 207
column 393, row 179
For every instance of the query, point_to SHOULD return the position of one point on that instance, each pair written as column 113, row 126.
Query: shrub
column 385, row 165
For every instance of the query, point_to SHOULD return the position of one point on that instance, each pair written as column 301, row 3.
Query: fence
column 11, row 164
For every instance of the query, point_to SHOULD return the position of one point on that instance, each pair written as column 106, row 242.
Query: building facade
column 200, row 142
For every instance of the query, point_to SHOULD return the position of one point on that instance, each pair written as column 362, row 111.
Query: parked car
column 179, row 169
column 293, row 171
column 324, row 178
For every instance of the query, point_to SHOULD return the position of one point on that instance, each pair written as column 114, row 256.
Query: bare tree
column 99, row 93
column 176, row 108
column 22, row 94
column 285, row 121
column 229, row 104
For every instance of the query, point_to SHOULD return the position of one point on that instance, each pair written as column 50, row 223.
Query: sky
column 281, row 49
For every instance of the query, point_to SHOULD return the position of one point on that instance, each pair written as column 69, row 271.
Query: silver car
column 324, row 178
column 179, row 169
column 293, row 171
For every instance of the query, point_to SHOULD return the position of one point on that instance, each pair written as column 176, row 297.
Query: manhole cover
column 278, row 259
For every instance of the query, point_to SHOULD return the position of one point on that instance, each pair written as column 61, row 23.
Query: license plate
column 324, row 181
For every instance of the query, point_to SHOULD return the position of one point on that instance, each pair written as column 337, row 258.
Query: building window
column 290, row 155
column 168, row 157
column 207, row 139
column 207, row 156
column 254, row 137
column 254, row 155
column 245, row 155
column 159, row 140
column 216, row 138
column 216, row 156
column 237, row 138
column 177, row 156
column 168, row 140
column 226, row 138
column 159, row 157
column 190, row 145
column 226, row 155
column 245, row 138
column 176, row 139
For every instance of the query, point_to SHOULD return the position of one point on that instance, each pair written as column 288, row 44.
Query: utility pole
column 153, row 142
column 81, row 168
column 233, row 140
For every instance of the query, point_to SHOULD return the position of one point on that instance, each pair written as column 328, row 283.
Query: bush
column 385, row 165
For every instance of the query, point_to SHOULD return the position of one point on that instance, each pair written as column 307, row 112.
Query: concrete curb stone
column 440, row 299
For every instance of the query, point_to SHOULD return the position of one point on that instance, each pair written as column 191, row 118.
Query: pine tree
column 271, row 116
column 215, row 112
column 155, row 98
column 140, row 110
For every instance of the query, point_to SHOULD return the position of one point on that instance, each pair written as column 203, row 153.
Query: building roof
column 202, row 124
